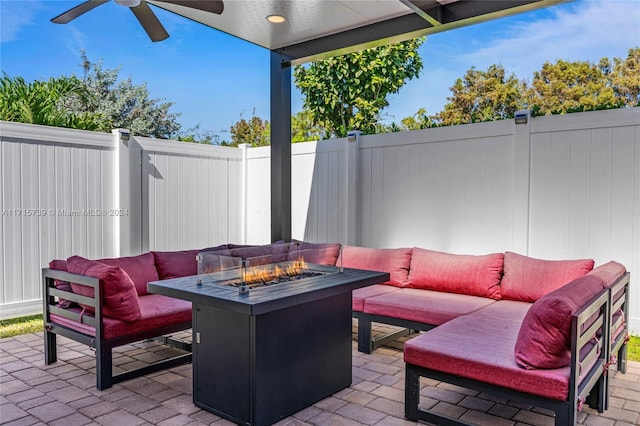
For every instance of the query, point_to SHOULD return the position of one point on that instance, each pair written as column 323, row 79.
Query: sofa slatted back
column 619, row 301
column 590, row 333
column 52, row 295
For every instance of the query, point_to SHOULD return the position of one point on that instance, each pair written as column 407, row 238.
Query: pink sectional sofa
column 104, row 303
column 528, row 329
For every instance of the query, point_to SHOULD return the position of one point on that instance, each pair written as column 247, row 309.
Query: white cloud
column 586, row 30
column 15, row 16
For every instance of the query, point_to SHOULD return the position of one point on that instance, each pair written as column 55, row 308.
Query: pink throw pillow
column 544, row 337
column 527, row 279
column 318, row 253
column 176, row 264
column 120, row 300
column 455, row 273
column 609, row 272
column 394, row 261
column 141, row 269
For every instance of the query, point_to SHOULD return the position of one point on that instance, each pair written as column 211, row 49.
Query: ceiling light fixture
column 276, row 19
column 128, row 3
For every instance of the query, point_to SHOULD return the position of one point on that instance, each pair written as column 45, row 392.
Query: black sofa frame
column 103, row 347
column 590, row 389
column 368, row 343
column 617, row 350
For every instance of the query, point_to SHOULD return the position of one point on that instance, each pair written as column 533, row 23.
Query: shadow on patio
column 65, row 394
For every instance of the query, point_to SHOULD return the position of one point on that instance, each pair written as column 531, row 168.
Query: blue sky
column 213, row 78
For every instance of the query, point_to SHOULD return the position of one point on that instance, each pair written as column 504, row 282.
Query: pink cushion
column 528, row 279
column 220, row 247
column 394, row 261
column 360, row 294
column 269, row 253
column 462, row 274
column 176, row 264
column 318, row 253
column 120, row 299
column 427, row 306
column 157, row 311
column 609, row 272
column 544, row 340
column 61, row 265
column 141, row 269
column 480, row 346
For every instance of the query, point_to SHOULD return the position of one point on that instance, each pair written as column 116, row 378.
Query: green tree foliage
column 255, row 132
column 566, row 86
column 43, row 102
column 198, row 135
column 348, row 92
column 419, row 120
column 557, row 88
column 123, row 104
column 303, row 129
column 625, row 78
column 483, row 96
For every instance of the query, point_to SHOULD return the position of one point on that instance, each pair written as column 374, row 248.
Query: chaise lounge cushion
column 120, row 299
column 544, row 338
column 141, row 269
column 527, row 279
column 453, row 273
column 176, row 264
column 157, row 311
column 480, row 346
column 394, row 261
column 360, row 294
column 426, row 306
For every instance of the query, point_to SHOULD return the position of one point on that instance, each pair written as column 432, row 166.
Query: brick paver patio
column 65, row 394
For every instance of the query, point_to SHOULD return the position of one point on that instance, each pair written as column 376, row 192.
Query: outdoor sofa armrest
column 50, row 293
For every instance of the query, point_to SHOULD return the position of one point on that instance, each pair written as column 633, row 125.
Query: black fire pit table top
column 213, row 289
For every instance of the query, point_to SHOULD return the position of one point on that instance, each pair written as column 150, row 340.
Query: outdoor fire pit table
column 262, row 354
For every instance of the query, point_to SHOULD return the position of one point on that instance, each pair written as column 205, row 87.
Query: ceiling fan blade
column 80, row 9
column 213, row 6
column 149, row 22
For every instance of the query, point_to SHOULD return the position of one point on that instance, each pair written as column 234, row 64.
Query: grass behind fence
column 17, row 326
column 33, row 324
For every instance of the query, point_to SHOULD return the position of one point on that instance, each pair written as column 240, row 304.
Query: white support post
column 127, row 210
column 521, row 184
column 244, row 192
column 353, row 139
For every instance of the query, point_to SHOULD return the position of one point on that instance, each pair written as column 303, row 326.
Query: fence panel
column 585, row 186
column 445, row 189
column 558, row 187
column 54, row 183
column 319, row 191
column 193, row 194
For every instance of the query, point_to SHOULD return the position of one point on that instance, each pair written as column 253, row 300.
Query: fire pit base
column 263, row 355
column 286, row 360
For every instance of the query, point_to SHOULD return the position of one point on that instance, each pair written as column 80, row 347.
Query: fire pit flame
column 267, row 273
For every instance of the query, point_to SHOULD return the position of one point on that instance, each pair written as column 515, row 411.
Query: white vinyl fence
column 557, row 187
column 66, row 192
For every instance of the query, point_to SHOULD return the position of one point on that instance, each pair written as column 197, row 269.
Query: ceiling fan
column 142, row 12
